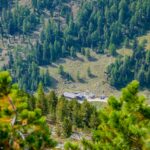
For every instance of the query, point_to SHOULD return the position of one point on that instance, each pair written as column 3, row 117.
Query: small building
column 69, row 95
column 103, row 97
column 76, row 95
column 80, row 96
column 87, row 95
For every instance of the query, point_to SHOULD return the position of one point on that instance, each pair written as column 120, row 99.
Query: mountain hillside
column 35, row 34
column 75, row 74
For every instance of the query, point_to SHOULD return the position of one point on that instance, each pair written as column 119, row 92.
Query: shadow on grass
column 80, row 59
column 92, row 76
column 82, row 80
column 76, row 58
column 67, row 76
column 54, row 83
column 92, row 59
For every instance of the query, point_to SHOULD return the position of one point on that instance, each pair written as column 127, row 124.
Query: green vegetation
column 67, row 127
column 96, row 83
column 105, row 23
column 124, row 123
column 4, row 4
column 127, row 68
column 97, row 25
column 74, row 45
column 26, row 73
column 89, row 72
column 71, row 146
column 61, row 70
column 22, row 124
column 25, row 116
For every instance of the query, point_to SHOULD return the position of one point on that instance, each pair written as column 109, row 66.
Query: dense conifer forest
column 101, row 25
column 136, row 67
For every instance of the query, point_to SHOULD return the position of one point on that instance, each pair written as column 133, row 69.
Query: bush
column 24, row 114
column 38, row 112
column 31, row 116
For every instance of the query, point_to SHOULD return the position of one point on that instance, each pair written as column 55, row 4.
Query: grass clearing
column 125, row 52
column 96, row 84
column 145, row 37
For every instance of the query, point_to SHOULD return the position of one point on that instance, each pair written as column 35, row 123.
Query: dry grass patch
column 125, row 52
column 25, row 2
column 147, row 38
column 97, row 83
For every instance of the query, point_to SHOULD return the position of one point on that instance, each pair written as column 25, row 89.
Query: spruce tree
column 42, row 101
column 67, row 128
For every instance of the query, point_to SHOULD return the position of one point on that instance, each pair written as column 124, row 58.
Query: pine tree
column 47, row 78
column 5, row 83
column 52, row 103
column 18, row 119
column 89, row 72
column 61, row 70
column 88, row 55
column 121, row 125
column 94, row 120
column 141, row 76
column 112, row 49
column 34, row 3
column 72, row 52
column 61, row 110
column 67, row 128
column 42, row 101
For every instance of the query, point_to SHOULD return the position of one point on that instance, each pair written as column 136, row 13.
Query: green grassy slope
column 96, row 84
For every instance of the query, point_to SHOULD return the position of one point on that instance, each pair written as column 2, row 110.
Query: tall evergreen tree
column 42, row 101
